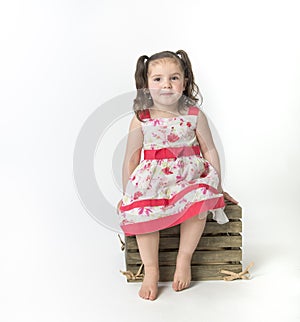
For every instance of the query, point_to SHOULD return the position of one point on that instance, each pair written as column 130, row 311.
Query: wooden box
column 220, row 247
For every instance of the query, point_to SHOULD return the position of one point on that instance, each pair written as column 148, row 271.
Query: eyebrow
column 155, row 75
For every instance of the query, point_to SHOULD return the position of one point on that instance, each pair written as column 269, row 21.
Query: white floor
column 70, row 272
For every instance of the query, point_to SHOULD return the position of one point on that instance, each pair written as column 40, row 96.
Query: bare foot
column 149, row 288
column 182, row 275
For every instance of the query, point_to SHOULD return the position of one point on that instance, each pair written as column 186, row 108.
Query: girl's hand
column 228, row 197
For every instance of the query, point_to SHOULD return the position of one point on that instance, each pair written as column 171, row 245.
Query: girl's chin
column 166, row 104
column 167, row 99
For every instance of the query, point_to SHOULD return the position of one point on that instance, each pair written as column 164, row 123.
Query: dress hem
column 173, row 220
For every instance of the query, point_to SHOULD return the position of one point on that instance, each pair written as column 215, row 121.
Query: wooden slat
column 205, row 242
column 199, row 272
column 219, row 241
column 230, row 227
column 199, row 257
column 233, row 211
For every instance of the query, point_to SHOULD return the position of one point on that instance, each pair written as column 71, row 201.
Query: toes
column 184, row 285
column 152, row 296
column 149, row 294
column 179, row 285
column 143, row 294
column 175, row 285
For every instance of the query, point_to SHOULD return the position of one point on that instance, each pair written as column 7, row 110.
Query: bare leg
column 148, row 247
column 190, row 233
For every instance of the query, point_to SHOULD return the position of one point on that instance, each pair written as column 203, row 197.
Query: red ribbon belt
column 171, row 152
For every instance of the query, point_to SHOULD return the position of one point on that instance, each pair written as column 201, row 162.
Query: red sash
column 171, row 152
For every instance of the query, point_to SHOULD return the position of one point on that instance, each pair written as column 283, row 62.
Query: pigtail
column 191, row 89
column 143, row 98
column 140, row 72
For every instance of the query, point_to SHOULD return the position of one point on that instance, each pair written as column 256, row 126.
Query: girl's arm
column 209, row 150
column 207, row 145
column 134, row 146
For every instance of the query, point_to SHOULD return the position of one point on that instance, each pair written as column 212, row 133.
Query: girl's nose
column 167, row 84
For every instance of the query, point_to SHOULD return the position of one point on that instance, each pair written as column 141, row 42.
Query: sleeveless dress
column 172, row 182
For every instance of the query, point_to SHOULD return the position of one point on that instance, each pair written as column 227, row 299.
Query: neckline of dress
column 167, row 118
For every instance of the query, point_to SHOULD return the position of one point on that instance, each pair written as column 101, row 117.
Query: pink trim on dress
column 173, row 220
column 167, row 202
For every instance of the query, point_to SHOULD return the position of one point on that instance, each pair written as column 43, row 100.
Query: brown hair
column 143, row 98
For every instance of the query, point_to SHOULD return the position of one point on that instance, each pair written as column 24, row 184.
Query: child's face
column 166, row 82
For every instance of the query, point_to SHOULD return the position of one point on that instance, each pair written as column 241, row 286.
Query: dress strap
column 193, row 110
column 145, row 114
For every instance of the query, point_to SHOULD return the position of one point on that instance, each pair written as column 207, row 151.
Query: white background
column 60, row 60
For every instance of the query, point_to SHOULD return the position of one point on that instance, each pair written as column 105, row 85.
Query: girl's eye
column 157, row 79
column 175, row 77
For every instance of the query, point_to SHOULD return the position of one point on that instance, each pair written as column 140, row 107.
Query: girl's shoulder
column 134, row 123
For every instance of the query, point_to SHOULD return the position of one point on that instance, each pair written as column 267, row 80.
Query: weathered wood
column 230, row 227
column 199, row 272
column 233, row 211
column 199, row 257
column 205, row 242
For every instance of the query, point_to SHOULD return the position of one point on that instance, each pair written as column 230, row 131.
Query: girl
column 179, row 178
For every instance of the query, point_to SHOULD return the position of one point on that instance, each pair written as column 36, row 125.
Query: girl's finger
column 228, row 197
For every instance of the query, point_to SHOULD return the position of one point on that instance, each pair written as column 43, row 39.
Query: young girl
column 179, row 178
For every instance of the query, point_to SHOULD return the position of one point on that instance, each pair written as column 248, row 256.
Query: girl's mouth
column 169, row 93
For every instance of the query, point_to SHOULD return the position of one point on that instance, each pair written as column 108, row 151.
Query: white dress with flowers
column 164, row 191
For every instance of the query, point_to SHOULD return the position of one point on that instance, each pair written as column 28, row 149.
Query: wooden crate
column 219, row 248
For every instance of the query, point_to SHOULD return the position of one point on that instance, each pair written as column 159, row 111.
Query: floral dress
column 172, row 182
